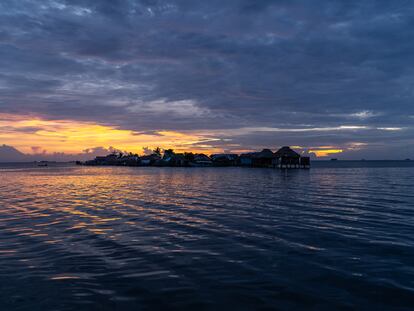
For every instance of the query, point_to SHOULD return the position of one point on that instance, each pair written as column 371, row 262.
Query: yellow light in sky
column 31, row 134
column 325, row 152
column 24, row 133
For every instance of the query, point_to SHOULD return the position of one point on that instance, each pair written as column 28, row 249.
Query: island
column 284, row 158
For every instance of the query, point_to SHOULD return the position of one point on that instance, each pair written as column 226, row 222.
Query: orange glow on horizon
column 35, row 135
column 325, row 152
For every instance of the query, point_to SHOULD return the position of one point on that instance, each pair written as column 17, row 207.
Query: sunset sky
column 333, row 78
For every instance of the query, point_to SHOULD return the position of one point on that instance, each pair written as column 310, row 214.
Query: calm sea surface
column 337, row 237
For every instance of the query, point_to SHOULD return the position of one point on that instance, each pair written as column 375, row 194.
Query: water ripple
column 89, row 238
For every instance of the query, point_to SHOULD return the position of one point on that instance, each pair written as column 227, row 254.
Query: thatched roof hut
column 265, row 154
column 286, row 152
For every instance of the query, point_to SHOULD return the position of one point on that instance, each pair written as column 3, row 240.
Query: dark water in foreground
column 79, row 238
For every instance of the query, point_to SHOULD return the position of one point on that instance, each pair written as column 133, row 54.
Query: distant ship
column 334, row 159
column 42, row 163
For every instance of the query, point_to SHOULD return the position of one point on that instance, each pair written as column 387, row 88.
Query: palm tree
column 168, row 153
column 157, row 151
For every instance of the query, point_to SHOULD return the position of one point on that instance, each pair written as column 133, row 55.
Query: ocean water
column 339, row 236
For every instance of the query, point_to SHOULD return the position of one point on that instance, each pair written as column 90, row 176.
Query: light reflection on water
column 206, row 238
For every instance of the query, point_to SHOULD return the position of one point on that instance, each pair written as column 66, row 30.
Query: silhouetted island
column 285, row 157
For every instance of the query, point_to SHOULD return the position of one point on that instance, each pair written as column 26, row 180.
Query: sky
column 330, row 78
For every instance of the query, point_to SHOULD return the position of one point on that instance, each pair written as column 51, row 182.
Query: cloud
column 183, row 108
column 12, row 154
column 365, row 114
column 214, row 66
column 37, row 150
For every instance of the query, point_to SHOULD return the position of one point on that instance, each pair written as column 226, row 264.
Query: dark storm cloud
column 215, row 65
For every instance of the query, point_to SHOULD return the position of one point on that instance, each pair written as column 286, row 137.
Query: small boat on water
column 42, row 163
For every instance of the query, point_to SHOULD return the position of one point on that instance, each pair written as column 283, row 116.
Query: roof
column 224, row 156
column 286, row 152
column 201, row 157
column 249, row 155
column 266, row 153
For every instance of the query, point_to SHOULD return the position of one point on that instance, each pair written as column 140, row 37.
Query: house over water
column 264, row 158
column 173, row 159
column 200, row 159
column 246, row 159
column 224, row 159
column 287, row 158
column 149, row 159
